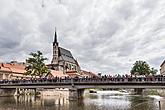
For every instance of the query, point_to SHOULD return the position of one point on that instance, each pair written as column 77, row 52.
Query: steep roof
column 162, row 63
column 66, row 55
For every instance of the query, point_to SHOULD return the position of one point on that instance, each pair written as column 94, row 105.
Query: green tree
column 153, row 71
column 35, row 65
column 140, row 68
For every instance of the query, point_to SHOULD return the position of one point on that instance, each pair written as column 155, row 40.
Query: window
column 66, row 65
column 72, row 67
column 69, row 66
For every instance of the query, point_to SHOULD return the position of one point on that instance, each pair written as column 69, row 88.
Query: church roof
column 162, row 63
column 66, row 55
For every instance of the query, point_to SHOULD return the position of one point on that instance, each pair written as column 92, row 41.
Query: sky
column 105, row 36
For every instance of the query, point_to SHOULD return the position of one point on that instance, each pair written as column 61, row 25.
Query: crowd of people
column 104, row 78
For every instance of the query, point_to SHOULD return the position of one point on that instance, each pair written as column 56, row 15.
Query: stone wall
column 7, row 92
column 160, row 92
column 54, row 92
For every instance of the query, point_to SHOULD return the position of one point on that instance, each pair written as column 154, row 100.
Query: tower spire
column 55, row 38
column 55, row 49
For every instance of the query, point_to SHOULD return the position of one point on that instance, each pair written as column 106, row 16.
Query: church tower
column 55, row 50
column 63, row 59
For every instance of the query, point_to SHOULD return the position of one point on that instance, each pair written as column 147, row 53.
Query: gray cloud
column 105, row 36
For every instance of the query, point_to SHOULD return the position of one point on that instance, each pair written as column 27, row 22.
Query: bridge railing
column 85, row 80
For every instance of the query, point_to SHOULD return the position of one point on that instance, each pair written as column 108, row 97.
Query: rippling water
column 103, row 100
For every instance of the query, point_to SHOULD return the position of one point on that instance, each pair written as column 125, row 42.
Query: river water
column 102, row 100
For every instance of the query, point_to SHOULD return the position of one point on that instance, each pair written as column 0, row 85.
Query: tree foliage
column 142, row 68
column 153, row 71
column 35, row 65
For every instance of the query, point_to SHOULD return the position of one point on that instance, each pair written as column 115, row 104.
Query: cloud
column 105, row 36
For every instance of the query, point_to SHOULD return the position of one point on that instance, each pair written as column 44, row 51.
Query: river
column 102, row 100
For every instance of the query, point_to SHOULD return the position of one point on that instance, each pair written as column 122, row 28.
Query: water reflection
column 100, row 101
column 143, row 103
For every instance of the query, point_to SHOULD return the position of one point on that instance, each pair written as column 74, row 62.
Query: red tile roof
column 73, row 73
column 15, row 68
column 87, row 73
column 58, row 73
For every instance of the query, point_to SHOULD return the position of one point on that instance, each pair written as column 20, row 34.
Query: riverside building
column 162, row 68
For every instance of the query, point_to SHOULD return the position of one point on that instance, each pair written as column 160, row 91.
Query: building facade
column 63, row 59
column 162, row 68
column 12, row 70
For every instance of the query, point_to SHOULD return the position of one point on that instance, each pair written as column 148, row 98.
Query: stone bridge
column 77, row 87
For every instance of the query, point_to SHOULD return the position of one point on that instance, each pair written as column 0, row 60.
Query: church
column 63, row 59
